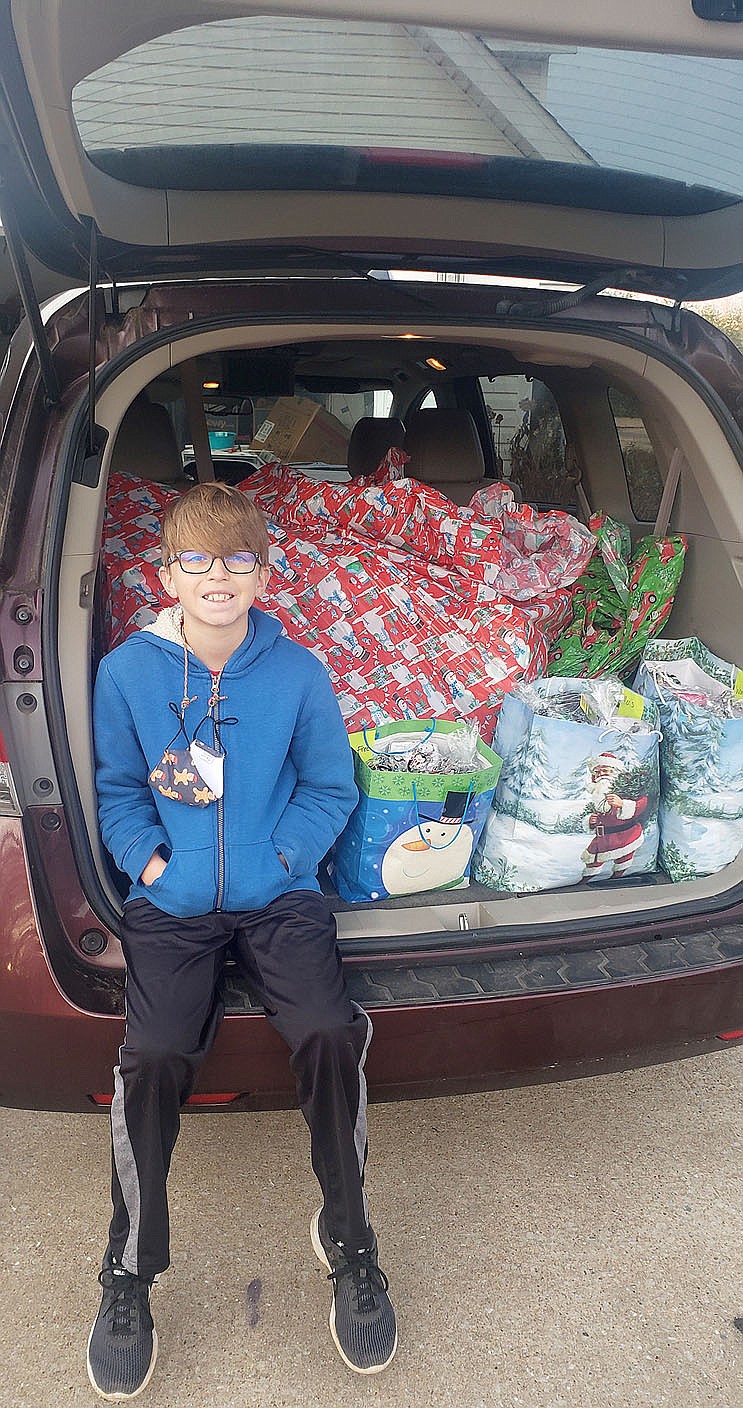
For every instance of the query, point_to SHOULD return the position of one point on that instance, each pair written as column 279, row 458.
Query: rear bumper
column 479, row 1025
column 438, row 1029
column 62, row 1061
column 466, row 1021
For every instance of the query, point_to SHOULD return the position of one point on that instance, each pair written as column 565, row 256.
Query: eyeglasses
column 198, row 563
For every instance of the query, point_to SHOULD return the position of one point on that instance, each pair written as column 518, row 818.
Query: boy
column 223, row 776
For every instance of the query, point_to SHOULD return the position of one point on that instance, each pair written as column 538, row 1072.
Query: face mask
column 209, row 764
column 179, row 775
column 194, row 774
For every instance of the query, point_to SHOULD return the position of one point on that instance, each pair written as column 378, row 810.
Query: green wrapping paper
column 622, row 599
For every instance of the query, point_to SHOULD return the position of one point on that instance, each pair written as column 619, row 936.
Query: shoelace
column 368, row 1279
column 124, row 1306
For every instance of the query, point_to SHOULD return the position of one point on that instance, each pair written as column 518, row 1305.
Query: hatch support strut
column 30, row 302
column 89, row 471
column 92, row 287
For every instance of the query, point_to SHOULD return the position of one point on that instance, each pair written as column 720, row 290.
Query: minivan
column 208, row 210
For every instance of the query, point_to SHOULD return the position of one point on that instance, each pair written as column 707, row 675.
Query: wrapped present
column 416, row 607
column 621, row 600
column 132, row 591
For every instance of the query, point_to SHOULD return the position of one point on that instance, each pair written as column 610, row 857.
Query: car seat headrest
column 444, row 448
column 146, row 444
column 371, row 438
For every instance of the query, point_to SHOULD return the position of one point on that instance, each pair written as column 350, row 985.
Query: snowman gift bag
column 425, row 789
column 700, row 700
column 577, row 798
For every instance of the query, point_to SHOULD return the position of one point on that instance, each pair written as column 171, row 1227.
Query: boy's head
column 214, row 545
column 215, row 517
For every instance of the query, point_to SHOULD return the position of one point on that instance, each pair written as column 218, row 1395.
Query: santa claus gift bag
column 700, row 701
column 425, row 788
column 577, row 798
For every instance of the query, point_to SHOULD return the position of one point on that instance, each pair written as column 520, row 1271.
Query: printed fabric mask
column 195, row 773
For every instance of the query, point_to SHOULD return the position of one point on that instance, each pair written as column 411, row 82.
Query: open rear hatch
column 571, row 142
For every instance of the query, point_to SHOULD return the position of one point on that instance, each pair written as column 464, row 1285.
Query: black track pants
column 288, row 954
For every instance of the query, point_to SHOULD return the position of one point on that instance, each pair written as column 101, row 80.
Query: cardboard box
column 300, row 431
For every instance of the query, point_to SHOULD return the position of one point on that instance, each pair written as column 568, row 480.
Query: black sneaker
column 122, row 1347
column 362, row 1321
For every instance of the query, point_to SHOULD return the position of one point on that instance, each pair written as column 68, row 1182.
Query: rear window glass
column 644, row 482
column 529, row 439
column 238, row 419
column 270, row 88
column 284, row 426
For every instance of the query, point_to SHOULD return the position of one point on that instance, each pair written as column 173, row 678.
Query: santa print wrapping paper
column 416, row 607
column 575, row 801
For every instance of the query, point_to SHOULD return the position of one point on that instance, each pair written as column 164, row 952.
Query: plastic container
column 221, row 439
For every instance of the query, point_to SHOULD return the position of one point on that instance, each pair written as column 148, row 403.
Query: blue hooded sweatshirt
column 288, row 770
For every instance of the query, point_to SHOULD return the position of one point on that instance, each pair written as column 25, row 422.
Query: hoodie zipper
column 216, row 681
column 220, row 853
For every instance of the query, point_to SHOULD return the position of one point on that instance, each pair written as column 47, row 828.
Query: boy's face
column 217, row 598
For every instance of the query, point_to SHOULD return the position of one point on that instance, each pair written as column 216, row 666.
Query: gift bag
column 700, row 701
column 413, row 830
column 577, row 797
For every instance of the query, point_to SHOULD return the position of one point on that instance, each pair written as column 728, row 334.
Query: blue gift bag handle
column 397, row 752
column 459, row 828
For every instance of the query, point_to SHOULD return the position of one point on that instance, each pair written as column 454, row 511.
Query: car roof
column 572, row 141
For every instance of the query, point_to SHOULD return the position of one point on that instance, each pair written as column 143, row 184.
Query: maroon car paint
column 58, row 1054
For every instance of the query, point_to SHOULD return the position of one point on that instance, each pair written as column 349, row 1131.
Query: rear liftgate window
column 290, row 103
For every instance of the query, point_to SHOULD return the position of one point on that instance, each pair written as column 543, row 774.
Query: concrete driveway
column 577, row 1244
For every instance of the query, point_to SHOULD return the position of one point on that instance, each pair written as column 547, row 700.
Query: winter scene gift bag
column 577, row 797
column 700, row 700
column 425, row 788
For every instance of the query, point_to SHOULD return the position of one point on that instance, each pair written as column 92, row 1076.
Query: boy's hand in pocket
column 153, row 869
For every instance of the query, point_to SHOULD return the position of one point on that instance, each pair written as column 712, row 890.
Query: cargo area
column 570, row 417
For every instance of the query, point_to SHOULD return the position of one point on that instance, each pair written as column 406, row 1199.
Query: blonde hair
column 215, row 517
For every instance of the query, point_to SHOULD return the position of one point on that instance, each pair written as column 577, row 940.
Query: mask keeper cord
column 217, row 725
column 185, row 700
column 179, row 713
column 214, row 699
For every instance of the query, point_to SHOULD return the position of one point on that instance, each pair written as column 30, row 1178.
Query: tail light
column 9, row 804
column 202, row 1098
